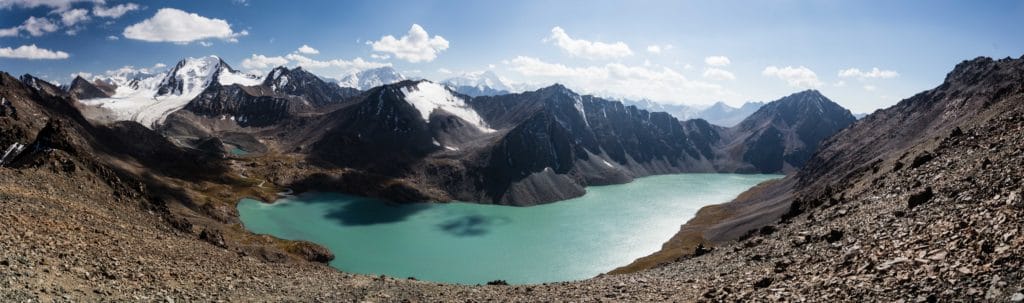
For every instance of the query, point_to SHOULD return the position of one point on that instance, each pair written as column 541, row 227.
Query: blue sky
column 772, row 48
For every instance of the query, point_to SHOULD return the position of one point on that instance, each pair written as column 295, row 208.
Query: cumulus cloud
column 39, row 26
column 306, row 49
column 874, row 73
column 72, row 17
column 794, row 76
column 717, row 61
column 588, row 49
column 718, row 74
column 181, row 27
column 416, row 46
column 32, row 52
column 380, row 57
column 56, row 5
column 261, row 62
column 661, row 84
column 113, row 38
column 114, row 12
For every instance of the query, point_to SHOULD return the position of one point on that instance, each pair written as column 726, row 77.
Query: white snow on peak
column 371, row 78
column 480, row 80
column 228, row 77
column 194, row 74
column 137, row 96
column 427, row 96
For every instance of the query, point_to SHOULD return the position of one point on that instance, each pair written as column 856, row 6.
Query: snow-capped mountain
column 428, row 96
column 149, row 98
column 371, row 78
column 482, row 83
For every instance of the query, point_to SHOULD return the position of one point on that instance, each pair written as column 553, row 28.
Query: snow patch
column 606, row 163
column 428, row 96
column 227, row 77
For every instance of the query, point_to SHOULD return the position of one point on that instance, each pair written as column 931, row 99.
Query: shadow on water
column 356, row 211
column 471, row 225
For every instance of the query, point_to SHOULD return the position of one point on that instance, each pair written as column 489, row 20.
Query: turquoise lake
column 470, row 243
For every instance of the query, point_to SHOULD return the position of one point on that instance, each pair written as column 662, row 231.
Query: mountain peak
column 370, row 78
column 971, row 72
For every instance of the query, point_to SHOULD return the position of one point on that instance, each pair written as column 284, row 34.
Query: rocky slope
column 917, row 202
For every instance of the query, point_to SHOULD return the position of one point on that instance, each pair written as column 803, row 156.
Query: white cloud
column 113, row 38
column 181, row 27
column 870, row 88
column 9, row 32
column 794, row 76
column 657, row 49
column 72, row 17
column 618, row 80
column 57, row 5
column 346, row 66
column 84, row 75
column 839, row 83
column 261, row 62
column 588, row 49
column 718, row 74
column 444, row 71
column 874, row 73
column 114, row 12
column 717, row 61
column 31, row 52
column 39, row 26
column 306, row 49
column 415, row 46
column 206, row 43
column 159, row 66
column 380, row 57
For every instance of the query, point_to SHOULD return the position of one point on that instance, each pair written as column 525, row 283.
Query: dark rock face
column 299, row 82
column 782, row 135
column 381, row 133
column 83, row 89
column 247, row 106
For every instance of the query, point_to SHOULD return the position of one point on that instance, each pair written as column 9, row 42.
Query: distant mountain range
column 370, row 78
column 719, row 113
column 465, row 139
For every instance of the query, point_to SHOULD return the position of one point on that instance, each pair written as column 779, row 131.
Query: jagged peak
column 969, row 71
